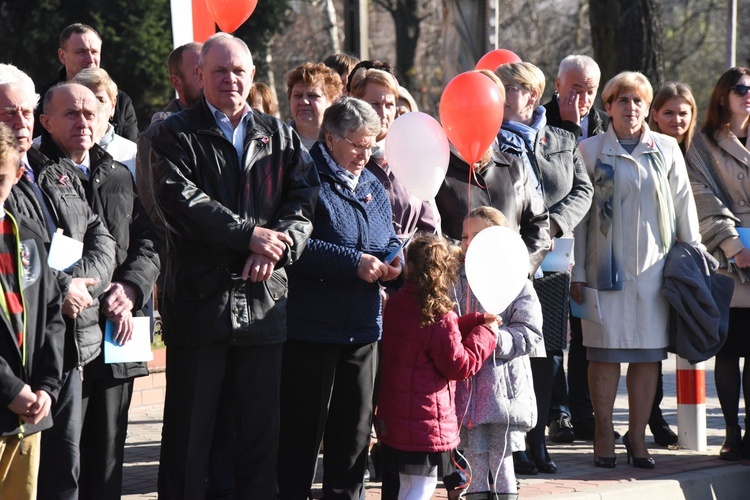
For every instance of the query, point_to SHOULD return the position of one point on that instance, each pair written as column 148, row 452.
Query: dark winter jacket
column 66, row 203
column 503, row 184
column 211, row 205
column 327, row 301
column 39, row 362
column 124, row 119
column 418, row 370
column 110, row 193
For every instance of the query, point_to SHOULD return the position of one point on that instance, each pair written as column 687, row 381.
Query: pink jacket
column 418, row 367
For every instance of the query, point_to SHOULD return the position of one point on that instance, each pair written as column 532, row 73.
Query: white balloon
column 418, row 153
column 497, row 266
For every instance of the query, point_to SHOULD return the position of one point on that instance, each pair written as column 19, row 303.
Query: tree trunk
column 627, row 35
column 406, row 23
column 333, row 28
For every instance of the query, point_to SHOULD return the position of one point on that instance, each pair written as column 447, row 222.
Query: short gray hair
column 9, row 74
column 580, row 63
column 222, row 38
column 349, row 114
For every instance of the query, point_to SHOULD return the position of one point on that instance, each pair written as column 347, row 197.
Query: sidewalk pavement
column 679, row 473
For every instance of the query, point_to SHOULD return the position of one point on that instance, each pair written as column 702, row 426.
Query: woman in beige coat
column 719, row 168
column 642, row 202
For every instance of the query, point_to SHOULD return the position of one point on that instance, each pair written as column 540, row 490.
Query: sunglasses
column 741, row 90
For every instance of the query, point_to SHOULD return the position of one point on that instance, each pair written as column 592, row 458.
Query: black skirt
column 417, row 463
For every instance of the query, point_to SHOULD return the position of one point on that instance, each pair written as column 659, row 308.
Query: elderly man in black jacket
column 237, row 192
column 50, row 194
column 70, row 123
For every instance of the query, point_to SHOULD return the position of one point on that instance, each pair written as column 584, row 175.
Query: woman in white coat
column 642, row 203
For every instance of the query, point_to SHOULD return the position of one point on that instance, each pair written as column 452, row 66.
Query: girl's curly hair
column 433, row 266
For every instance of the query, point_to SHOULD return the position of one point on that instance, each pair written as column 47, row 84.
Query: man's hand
column 39, row 409
column 122, row 297
column 269, row 243
column 258, row 268
column 78, row 297
column 371, row 268
column 23, row 402
column 576, row 291
column 569, row 107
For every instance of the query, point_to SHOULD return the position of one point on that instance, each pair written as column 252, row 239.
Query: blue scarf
column 518, row 139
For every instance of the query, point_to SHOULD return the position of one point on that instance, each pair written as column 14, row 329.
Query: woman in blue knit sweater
column 334, row 312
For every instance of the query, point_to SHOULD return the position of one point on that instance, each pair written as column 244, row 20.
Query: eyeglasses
column 359, row 148
column 741, row 90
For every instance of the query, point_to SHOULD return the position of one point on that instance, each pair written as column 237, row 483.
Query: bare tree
column 627, row 35
column 408, row 27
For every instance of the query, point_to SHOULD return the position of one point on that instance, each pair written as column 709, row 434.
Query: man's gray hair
column 10, row 74
column 222, row 38
column 580, row 63
column 349, row 114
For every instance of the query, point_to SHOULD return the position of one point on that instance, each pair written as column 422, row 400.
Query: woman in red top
column 426, row 347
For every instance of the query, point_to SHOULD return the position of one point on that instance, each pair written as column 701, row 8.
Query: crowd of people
column 310, row 302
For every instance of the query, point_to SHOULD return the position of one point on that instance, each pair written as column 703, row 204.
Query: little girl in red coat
column 425, row 348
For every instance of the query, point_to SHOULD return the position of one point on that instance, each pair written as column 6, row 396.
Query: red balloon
column 471, row 112
column 230, row 14
column 494, row 58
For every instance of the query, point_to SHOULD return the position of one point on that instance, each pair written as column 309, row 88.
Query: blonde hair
column 362, row 77
column 674, row 90
column 95, row 79
column 433, row 266
column 522, row 73
column 8, row 146
column 498, row 83
column 490, row 214
column 628, row 81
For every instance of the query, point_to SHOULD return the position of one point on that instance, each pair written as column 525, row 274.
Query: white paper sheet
column 64, row 251
column 589, row 309
column 137, row 348
column 560, row 258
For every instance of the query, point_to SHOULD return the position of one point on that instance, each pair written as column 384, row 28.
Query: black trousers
column 325, row 389
column 196, row 377
column 106, row 401
column 60, row 461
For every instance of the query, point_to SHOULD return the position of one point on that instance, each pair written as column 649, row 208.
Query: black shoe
column 746, row 442
column 561, row 430
column 605, row 462
column 522, row 465
column 640, row 462
column 663, row 435
column 542, row 459
column 731, row 450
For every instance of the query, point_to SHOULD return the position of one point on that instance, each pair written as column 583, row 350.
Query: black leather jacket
column 66, row 202
column 210, row 205
column 503, row 184
column 111, row 194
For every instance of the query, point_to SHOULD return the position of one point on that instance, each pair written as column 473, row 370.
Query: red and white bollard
column 691, row 405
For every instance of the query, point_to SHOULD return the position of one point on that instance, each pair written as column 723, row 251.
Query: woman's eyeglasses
column 741, row 90
column 359, row 148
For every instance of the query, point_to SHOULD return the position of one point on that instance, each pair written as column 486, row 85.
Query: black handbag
column 553, row 290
